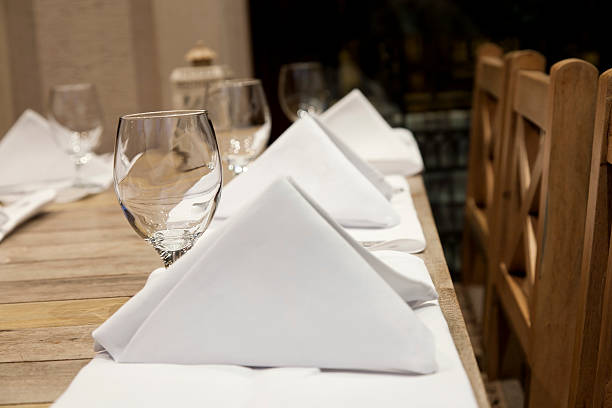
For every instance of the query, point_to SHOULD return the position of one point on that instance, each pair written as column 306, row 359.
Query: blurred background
column 414, row 59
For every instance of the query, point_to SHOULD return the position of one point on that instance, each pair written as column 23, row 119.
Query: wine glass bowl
column 167, row 177
column 240, row 112
column 75, row 117
column 302, row 89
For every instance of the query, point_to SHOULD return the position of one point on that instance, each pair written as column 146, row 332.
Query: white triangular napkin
column 30, row 160
column 359, row 125
column 369, row 172
column 279, row 285
column 29, row 155
column 11, row 216
column 307, row 154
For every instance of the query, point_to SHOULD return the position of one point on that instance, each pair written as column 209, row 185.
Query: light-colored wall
column 126, row 47
column 6, row 98
column 222, row 25
column 89, row 41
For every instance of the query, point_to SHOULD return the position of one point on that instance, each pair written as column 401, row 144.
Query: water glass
column 302, row 89
column 239, row 110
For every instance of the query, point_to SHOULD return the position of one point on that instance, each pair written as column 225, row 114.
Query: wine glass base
column 168, row 257
column 172, row 244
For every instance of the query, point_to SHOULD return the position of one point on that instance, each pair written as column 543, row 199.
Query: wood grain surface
column 591, row 379
column 66, row 271
column 485, row 131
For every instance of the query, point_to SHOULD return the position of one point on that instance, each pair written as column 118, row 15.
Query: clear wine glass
column 302, row 89
column 168, row 177
column 75, row 117
column 239, row 110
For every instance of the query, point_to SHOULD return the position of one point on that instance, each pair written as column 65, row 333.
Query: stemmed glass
column 302, row 89
column 167, row 176
column 75, row 117
column 241, row 116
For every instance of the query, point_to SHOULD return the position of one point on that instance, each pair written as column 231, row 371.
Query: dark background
column 414, row 59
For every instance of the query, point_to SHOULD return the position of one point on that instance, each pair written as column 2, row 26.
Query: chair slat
column 531, row 96
column 518, row 312
column 491, row 77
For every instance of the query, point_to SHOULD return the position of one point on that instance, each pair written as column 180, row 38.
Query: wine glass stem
column 168, row 257
column 78, row 173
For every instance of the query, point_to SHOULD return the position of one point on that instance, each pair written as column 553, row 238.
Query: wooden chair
column 591, row 383
column 526, row 60
column 549, row 131
column 485, row 134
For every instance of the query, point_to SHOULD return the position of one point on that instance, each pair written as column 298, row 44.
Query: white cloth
column 407, row 235
column 105, row 383
column 14, row 214
column 307, row 295
column 30, row 160
column 359, row 125
column 369, row 172
column 353, row 194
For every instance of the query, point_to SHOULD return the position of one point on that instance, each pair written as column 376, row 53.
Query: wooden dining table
column 68, row 269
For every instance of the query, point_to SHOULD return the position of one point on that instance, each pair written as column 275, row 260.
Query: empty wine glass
column 167, row 176
column 75, row 117
column 302, row 89
column 241, row 116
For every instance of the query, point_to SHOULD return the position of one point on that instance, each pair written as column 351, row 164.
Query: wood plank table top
column 67, row 270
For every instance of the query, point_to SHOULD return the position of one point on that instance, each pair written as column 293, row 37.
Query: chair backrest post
column 485, row 130
column 592, row 357
column 475, row 186
column 562, row 213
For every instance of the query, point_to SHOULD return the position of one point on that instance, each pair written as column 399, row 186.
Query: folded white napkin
column 163, row 385
column 14, row 214
column 346, row 187
column 359, row 125
column 369, row 172
column 407, row 235
column 30, row 160
column 281, row 284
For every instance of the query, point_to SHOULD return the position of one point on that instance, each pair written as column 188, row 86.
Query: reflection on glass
column 167, row 177
column 75, row 117
column 302, row 89
column 239, row 110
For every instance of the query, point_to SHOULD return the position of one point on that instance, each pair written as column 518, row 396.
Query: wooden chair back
column 527, row 136
column 560, row 239
column 591, row 383
column 486, row 123
column 549, row 130
column 485, row 137
column 514, row 62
